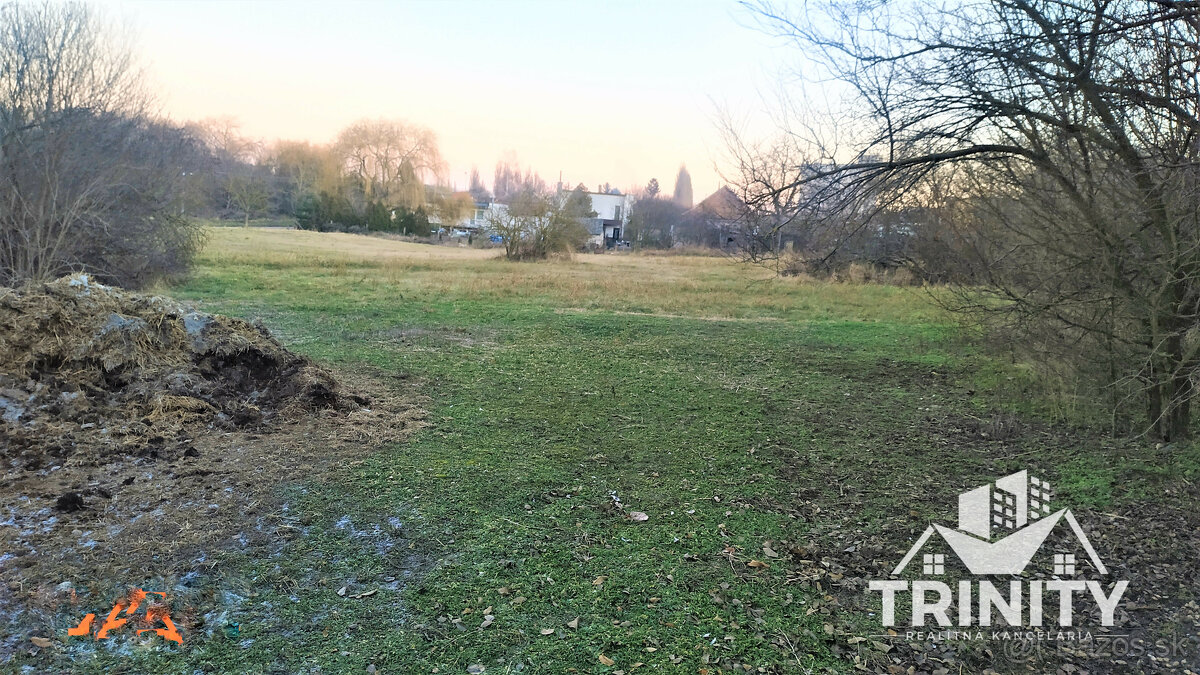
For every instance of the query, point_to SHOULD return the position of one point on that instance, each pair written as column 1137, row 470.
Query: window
column 1004, row 510
column 935, row 563
column 1039, row 497
column 1064, row 564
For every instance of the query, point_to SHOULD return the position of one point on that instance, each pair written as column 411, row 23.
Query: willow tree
column 390, row 160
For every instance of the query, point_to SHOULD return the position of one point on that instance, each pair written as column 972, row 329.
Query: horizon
column 638, row 106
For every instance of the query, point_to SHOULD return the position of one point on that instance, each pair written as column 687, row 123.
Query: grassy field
column 785, row 438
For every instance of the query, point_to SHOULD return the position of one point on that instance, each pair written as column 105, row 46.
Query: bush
column 536, row 226
column 88, row 181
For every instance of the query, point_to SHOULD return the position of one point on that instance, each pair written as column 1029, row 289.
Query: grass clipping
column 141, row 439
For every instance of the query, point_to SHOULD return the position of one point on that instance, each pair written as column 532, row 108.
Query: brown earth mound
column 86, row 368
column 141, row 442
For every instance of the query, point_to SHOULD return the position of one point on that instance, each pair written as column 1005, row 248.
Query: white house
column 608, row 227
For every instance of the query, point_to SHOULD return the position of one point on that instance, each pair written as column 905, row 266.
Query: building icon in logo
column 1000, row 528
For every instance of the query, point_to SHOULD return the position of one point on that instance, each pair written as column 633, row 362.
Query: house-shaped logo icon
column 1000, row 528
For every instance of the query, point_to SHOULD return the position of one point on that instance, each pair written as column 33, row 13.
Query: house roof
column 722, row 204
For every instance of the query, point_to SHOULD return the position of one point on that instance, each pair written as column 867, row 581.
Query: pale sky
column 610, row 91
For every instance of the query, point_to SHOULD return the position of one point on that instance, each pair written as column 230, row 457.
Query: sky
column 613, row 91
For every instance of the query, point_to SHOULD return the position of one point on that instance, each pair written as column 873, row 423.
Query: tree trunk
column 1180, row 417
column 1154, row 409
column 1169, row 407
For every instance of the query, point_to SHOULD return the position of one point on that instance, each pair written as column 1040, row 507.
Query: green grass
column 732, row 408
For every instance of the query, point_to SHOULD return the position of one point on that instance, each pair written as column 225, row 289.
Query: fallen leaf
column 487, row 621
column 371, row 668
column 651, row 649
column 573, row 623
column 342, row 590
column 638, row 516
column 607, row 661
column 855, row 640
column 757, row 563
column 476, row 668
column 504, row 590
column 518, row 600
column 364, row 594
column 768, row 551
column 599, row 580
column 41, row 642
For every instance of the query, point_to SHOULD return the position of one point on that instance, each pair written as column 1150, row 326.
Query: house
column 609, row 227
column 719, row 218
column 477, row 222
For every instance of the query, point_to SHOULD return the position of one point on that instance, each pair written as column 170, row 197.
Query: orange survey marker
column 129, row 605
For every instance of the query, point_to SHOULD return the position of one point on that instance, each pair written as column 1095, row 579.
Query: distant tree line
column 379, row 176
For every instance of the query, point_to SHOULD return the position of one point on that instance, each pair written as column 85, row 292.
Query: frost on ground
column 142, row 438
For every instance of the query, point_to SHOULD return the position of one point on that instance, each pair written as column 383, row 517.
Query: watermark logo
column 156, row 613
column 1002, row 531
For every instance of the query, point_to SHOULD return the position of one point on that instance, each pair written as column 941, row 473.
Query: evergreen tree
column 683, row 188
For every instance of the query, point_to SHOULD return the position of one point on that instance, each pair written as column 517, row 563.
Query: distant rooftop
column 723, row 204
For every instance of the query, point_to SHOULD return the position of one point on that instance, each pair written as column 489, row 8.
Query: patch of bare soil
column 140, row 438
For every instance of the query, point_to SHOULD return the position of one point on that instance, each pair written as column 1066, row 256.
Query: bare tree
column 223, row 135
column 535, row 224
column 768, row 177
column 391, row 159
column 451, row 208
column 248, row 192
column 509, row 183
column 1076, row 128
column 305, row 170
column 476, row 188
column 86, row 180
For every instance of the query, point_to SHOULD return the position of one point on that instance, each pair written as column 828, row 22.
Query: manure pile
column 88, row 370
column 142, row 443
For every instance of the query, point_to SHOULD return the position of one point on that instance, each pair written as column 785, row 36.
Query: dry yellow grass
column 271, row 243
column 702, row 287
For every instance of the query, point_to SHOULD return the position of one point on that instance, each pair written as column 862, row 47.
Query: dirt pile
column 144, row 444
column 91, row 369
